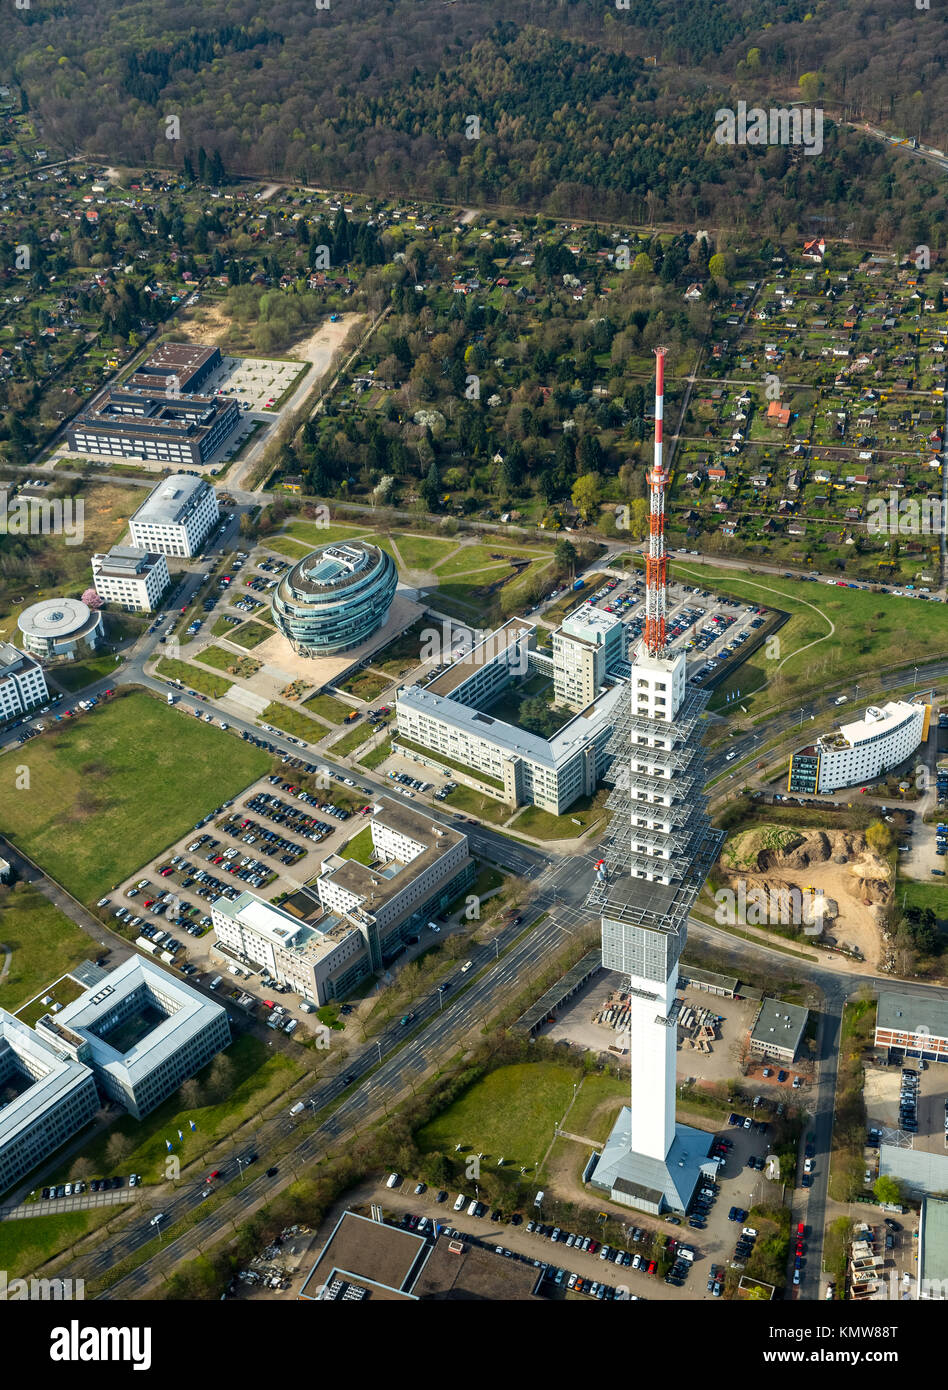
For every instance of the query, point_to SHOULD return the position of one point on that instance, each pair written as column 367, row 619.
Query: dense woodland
column 585, row 109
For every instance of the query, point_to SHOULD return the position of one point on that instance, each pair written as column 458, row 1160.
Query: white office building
column 60, row 629
column 22, row 683
column 130, row 577
column 46, row 1097
column 589, row 644
column 176, row 516
column 448, row 724
column 321, row 959
column 142, row 1031
column 863, row 750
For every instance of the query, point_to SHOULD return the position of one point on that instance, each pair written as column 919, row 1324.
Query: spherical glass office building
column 335, row 598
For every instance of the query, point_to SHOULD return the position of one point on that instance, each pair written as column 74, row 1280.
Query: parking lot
column 885, row 1110
column 270, row 839
column 256, row 382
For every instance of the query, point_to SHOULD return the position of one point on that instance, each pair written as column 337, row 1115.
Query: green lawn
column 422, row 552
column 315, row 535
column 872, row 631
column 117, row 787
column 223, row 660
column 477, row 804
column 78, row 674
column 543, row 825
column 477, row 557
column 43, row 941
column 360, row 847
column 327, row 708
column 62, row 991
column 260, row 1074
column 352, row 739
column 193, row 677
column 224, row 628
column 916, row 894
column 293, row 721
column 366, row 685
column 598, row 1102
column 250, row 634
column 376, row 756
column 403, row 653
column 26, row 1245
column 283, row 545
column 509, row 1114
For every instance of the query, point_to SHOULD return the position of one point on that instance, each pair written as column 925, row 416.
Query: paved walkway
column 86, row 1201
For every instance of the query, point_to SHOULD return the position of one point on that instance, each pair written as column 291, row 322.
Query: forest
column 580, row 109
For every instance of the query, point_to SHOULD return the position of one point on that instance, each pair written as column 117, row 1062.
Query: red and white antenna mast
column 656, row 560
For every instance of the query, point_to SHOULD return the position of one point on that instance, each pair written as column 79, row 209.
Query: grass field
column 360, row 847
column 403, row 653
column 477, row 557
column 26, row 1245
column 376, row 756
column 43, row 943
column 314, row 535
column 327, row 708
column 78, row 674
column 477, row 804
column 193, row 677
column 284, row 545
column 223, row 660
column 422, row 552
column 543, row 825
column 353, row 739
column 511, row 1114
column 259, row 1074
column 293, row 721
column 872, row 631
column 118, row 787
column 250, row 634
column 917, row 894
column 597, row 1104
column 222, row 628
column 366, row 685
column 62, row 991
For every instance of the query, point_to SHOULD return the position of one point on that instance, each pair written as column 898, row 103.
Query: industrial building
column 362, row 914
column 22, row 683
column 863, row 750
column 157, row 414
column 913, row 1025
column 141, row 1031
column 446, row 724
column 47, row 1095
column 175, row 517
column 655, row 857
column 335, row 598
column 933, row 1249
column 133, row 578
column 778, row 1030
column 60, row 629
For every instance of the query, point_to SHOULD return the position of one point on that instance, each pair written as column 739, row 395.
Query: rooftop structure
column 778, row 1029
column 916, row 1025
column 335, row 597
column 60, row 627
column 175, row 516
column 177, row 368
column 933, row 1249
column 134, row 578
column 143, row 1032
column 862, row 750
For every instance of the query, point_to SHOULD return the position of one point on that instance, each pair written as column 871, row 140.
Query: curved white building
column 862, row 751
column 60, row 627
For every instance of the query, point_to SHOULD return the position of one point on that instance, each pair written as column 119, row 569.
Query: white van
column 215, row 982
column 460, row 1201
column 393, row 1180
column 295, row 1110
column 466, row 966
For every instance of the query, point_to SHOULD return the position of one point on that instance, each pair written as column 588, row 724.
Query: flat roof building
column 175, row 517
column 588, row 645
column 778, row 1030
column 22, row 683
column 932, row 1274
column 46, row 1097
column 915, row 1025
column 507, row 762
column 143, row 1032
column 157, row 413
column 134, row 578
column 863, row 750
column 60, row 628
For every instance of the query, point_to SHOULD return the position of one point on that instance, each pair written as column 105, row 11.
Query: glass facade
column 335, row 598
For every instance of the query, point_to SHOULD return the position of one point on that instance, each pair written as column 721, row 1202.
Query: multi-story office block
column 130, row 577
column 175, row 517
column 22, row 683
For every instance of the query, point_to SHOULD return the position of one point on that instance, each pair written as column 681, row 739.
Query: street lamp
column 916, row 677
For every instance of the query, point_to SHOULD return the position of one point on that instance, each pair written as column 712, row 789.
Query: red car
column 110, row 692
column 268, row 1003
column 801, row 1230
column 148, row 902
column 216, row 1174
column 651, row 1267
